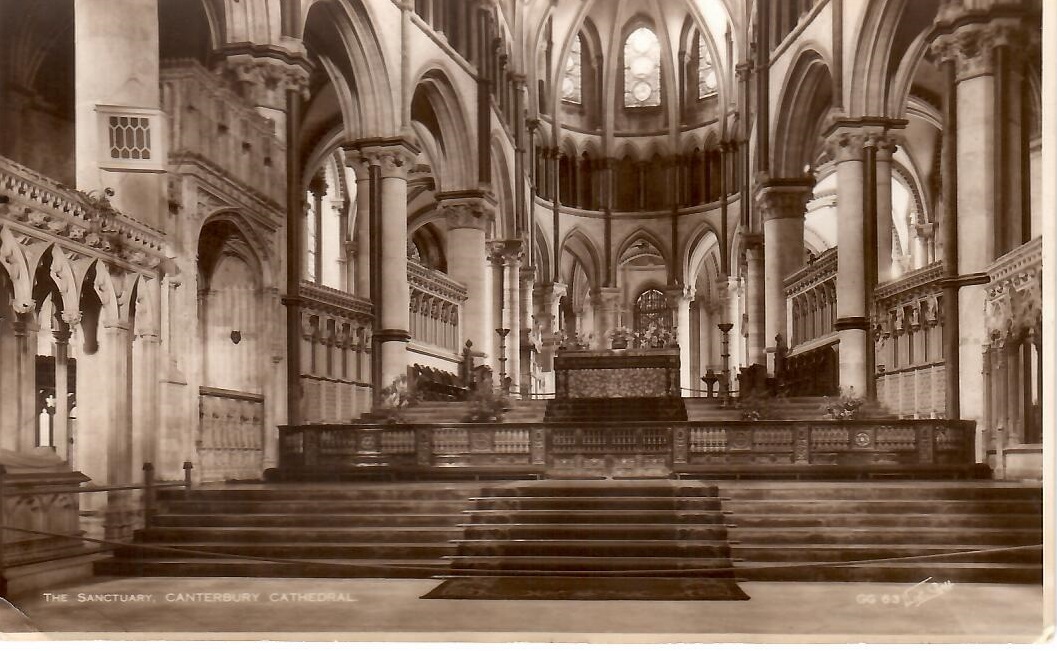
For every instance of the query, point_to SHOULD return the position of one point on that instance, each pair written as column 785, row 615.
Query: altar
column 628, row 373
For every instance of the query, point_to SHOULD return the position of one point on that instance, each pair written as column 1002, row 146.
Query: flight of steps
column 350, row 530
column 775, row 524
column 593, row 540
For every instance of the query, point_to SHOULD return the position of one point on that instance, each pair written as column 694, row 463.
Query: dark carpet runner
column 604, row 540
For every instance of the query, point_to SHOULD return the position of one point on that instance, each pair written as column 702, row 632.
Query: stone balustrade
column 336, row 332
column 653, row 449
column 811, row 298
column 211, row 125
column 908, row 337
column 36, row 210
column 435, row 308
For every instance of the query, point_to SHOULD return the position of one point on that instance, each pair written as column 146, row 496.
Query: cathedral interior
column 510, row 245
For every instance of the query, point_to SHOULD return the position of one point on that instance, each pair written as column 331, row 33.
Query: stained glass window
column 572, row 79
column 652, row 311
column 707, row 83
column 642, row 69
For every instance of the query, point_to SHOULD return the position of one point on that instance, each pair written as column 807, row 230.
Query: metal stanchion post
column 188, row 466
column 725, row 383
column 148, row 493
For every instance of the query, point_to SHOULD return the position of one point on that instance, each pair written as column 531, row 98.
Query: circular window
column 642, row 91
column 641, row 40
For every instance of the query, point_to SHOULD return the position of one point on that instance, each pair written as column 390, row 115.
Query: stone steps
column 603, row 532
column 340, row 530
column 778, row 531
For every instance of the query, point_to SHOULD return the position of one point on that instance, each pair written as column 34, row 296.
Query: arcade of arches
column 237, row 216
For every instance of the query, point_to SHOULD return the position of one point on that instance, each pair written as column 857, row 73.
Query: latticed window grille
column 651, row 310
column 130, row 137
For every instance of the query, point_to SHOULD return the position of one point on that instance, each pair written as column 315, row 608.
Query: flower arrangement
column 486, row 404
column 846, row 406
column 654, row 336
column 397, row 395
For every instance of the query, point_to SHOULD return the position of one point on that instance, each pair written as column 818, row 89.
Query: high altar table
column 631, row 373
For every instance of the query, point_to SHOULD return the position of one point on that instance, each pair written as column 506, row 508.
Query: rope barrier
column 473, row 571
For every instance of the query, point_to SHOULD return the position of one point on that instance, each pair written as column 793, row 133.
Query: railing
column 436, row 304
column 82, row 224
column 24, row 515
column 811, row 296
column 336, row 362
column 627, row 449
column 212, row 125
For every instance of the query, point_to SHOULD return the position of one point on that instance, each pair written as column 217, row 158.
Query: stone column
column 528, row 279
column 392, row 158
column 62, row 388
column 361, row 238
column 505, row 256
column 782, row 204
column 846, row 145
column 756, row 299
column 886, row 267
column 26, row 329
column 605, row 302
column 512, row 308
column 969, row 42
column 679, row 300
column 467, row 255
column 547, row 298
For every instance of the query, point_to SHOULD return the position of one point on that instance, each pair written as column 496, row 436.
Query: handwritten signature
column 926, row 590
column 915, row 595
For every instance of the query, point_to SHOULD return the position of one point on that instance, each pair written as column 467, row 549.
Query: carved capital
column 971, row 46
column 505, row 252
column 265, row 80
column 846, row 144
column 393, row 157
column 466, row 211
column 784, row 199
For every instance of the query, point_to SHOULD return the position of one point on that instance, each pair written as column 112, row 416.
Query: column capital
column 679, row 296
column 393, row 155
column 265, row 78
column 466, row 209
column 969, row 38
column 784, row 198
column 742, row 70
column 355, row 160
column 606, row 297
column 505, row 252
column 846, row 138
column 550, row 291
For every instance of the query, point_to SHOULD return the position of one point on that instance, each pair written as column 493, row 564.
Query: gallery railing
column 625, row 449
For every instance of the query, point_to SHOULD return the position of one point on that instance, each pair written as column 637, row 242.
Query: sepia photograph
column 586, row 321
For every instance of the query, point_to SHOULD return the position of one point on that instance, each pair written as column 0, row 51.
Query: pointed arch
column 436, row 106
column 641, row 234
column 583, row 249
column 804, row 104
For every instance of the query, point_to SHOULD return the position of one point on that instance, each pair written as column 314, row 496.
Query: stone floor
column 391, row 609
